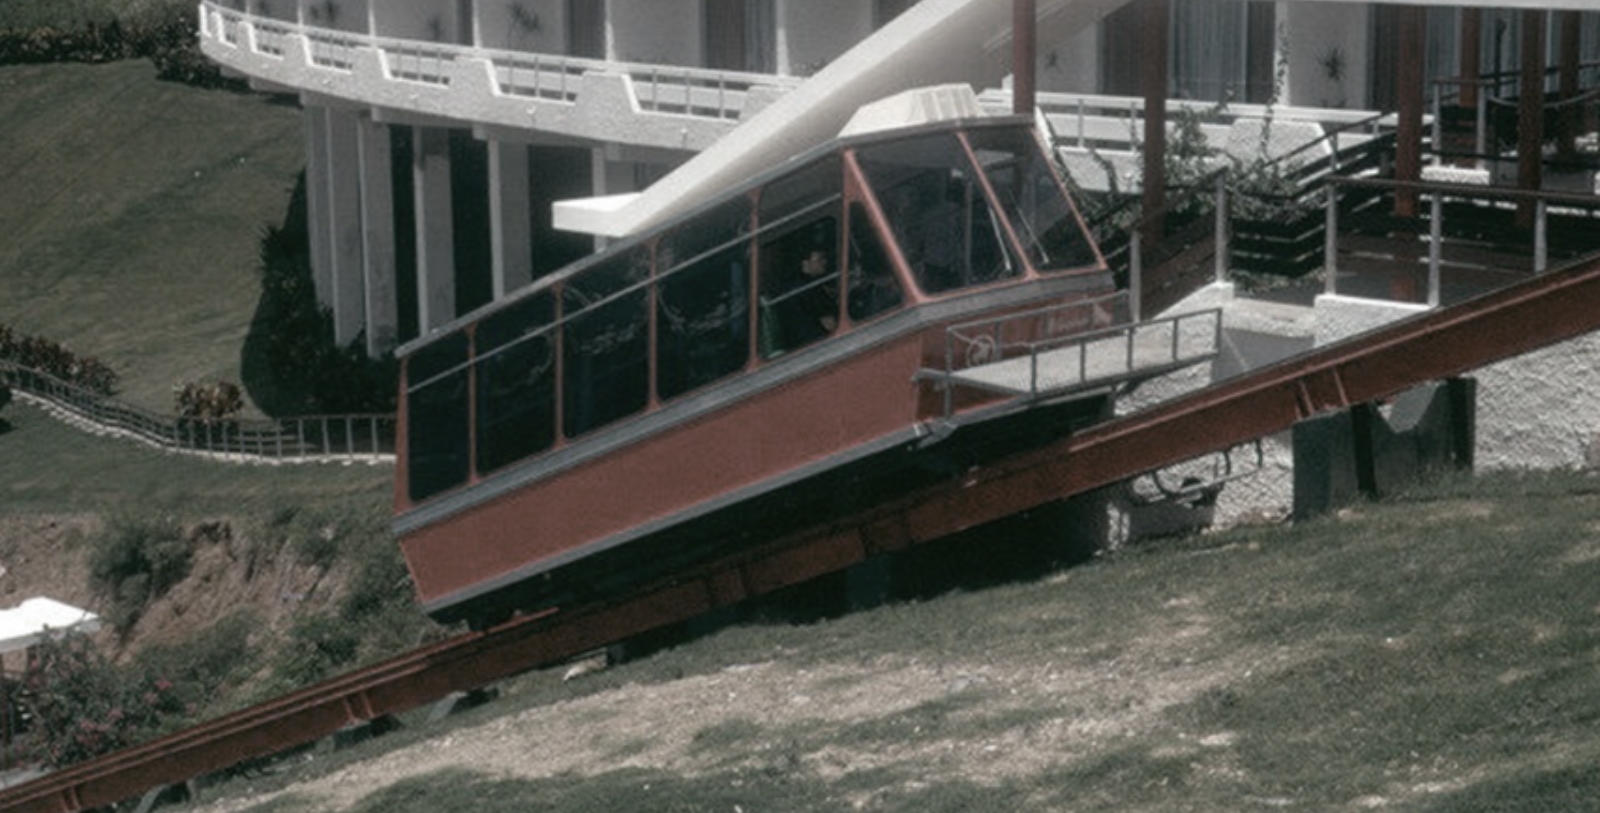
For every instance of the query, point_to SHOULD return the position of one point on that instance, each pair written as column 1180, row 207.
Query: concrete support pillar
column 317, row 205
column 510, row 216
column 348, row 299
column 1411, row 92
column 436, row 273
column 1530, row 113
column 377, row 217
column 1157, row 21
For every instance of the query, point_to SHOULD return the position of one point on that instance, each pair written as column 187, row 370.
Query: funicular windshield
column 975, row 207
column 748, row 281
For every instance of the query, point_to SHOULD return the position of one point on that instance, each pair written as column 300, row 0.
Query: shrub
column 134, row 562
column 210, row 402
column 314, row 373
column 82, row 706
column 52, row 359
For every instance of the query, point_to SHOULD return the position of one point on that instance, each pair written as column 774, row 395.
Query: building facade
column 441, row 133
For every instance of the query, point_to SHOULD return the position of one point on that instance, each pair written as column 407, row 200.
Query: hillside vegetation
column 1436, row 653
column 132, row 211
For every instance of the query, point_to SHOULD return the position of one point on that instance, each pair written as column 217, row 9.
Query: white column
column 436, row 272
column 317, row 205
column 348, row 300
column 377, row 217
column 510, row 216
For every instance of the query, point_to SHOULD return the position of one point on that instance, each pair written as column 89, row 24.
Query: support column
column 1411, row 95
column 347, row 302
column 377, row 216
column 1154, row 40
column 1530, row 113
column 436, row 272
column 1471, row 68
column 1571, row 43
column 510, row 217
column 1024, row 59
column 317, row 205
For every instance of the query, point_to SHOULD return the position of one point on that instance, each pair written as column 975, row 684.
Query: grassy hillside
column 1437, row 653
column 131, row 212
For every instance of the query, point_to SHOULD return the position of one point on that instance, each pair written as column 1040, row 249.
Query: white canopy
column 28, row 624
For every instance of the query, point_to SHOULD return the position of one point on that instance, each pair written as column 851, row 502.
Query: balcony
column 661, row 106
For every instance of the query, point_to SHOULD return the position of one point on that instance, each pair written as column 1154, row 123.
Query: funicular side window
column 516, row 382
column 436, row 417
column 800, row 269
column 606, row 338
column 874, row 289
column 703, row 306
column 940, row 216
column 1040, row 214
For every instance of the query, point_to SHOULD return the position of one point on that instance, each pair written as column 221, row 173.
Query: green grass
column 47, row 467
column 134, row 237
column 1439, row 652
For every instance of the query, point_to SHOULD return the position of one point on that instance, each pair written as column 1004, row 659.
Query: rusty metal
column 1024, row 57
column 1439, row 344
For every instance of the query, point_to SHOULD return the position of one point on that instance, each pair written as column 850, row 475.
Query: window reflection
column 605, row 343
column 800, row 285
column 940, row 216
column 874, row 289
column 436, row 436
column 1026, row 187
column 516, row 383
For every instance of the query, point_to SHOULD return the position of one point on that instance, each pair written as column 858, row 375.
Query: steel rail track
column 1439, row 344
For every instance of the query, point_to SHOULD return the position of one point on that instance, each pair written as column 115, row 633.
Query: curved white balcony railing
column 645, row 105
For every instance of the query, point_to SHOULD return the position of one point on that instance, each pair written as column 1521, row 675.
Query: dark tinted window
column 516, row 382
column 1027, row 190
column 606, row 342
column 436, row 414
column 799, row 283
column 703, row 321
column 874, row 288
column 940, row 216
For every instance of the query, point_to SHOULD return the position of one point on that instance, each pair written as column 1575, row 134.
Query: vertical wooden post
column 1411, row 97
column 1471, row 35
column 1571, row 41
column 1530, row 113
column 1024, row 58
column 1154, row 39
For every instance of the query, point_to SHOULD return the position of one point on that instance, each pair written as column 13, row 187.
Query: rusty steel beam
column 1411, row 92
column 1438, row 344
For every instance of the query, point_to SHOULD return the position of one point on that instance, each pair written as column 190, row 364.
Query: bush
column 164, row 36
column 210, row 402
column 134, row 562
column 52, row 359
column 315, row 375
column 82, row 706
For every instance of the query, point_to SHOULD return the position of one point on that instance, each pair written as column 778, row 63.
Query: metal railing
column 1067, row 348
column 1535, row 244
column 299, row 439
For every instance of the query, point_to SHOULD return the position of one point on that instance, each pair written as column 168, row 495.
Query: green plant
column 82, row 706
column 135, row 561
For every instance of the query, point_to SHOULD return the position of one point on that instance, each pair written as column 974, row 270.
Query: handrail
column 306, row 438
column 662, row 89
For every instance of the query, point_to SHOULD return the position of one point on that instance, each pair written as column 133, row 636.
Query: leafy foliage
column 136, row 561
column 53, row 359
column 82, row 706
column 311, row 373
column 164, row 36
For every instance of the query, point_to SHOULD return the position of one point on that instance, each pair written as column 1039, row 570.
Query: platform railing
column 1066, row 348
column 1439, row 197
column 359, row 437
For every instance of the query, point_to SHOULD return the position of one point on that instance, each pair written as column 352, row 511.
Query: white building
column 441, row 133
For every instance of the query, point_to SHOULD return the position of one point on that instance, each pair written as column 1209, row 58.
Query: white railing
column 667, row 90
